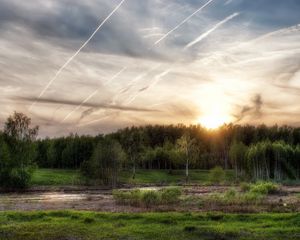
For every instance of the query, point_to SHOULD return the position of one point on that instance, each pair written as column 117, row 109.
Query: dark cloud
column 253, row 111
column 86, row 113
column 257, row 101
column 90, row 105
column 75, row 20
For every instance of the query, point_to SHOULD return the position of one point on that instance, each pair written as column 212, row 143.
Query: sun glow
column 213, row 120
column 215, row 109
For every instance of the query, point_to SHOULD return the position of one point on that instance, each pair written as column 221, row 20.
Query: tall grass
column 148, row 198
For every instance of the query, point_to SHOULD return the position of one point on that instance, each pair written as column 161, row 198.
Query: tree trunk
column 187, row 170
column 133, row 170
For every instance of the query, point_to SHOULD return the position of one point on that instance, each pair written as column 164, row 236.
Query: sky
column 95, row 66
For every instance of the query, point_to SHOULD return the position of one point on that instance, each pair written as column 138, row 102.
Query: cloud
column 76, row 53
column 258, row 52
column 208, row 32
column 254, row 110
column 86, row 104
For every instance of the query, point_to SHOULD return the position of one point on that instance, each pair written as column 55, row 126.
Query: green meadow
column 91, row 225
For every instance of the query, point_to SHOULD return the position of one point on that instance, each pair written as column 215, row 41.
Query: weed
column 217, row 175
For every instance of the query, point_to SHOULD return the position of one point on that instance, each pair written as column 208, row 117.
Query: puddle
column 50, row 197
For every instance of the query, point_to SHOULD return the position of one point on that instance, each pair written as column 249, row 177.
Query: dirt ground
column 287, row 200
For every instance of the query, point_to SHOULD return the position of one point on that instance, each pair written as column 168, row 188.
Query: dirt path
column 102, row 200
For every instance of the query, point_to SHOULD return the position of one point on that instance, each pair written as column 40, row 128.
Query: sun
column 213, row 120
column 214, row 106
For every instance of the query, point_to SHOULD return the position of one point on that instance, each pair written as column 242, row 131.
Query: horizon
column 209, row 130
column 99, row 66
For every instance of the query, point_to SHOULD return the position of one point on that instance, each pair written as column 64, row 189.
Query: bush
column 170, row 195
column 19, row 178
column 105, row 163
column 17, row 152
column 231, row 195
column 147, row 198
column 135, row 197
column 15, row 168
column 252, row 197
column 264, row 188
column 132, row 198
column 213, row 198
column 217, row 175
column 151, row 198
column 121, row 197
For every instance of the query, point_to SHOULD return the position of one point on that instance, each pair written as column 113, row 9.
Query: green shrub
column 132, row 198
column 135, row 197
column 147, row 198
column 151, row 198
column 170, row 195
column 121, row 197
column 252, row 197
column 231, row 196
column 217, row 175
column 264, row 188
column 213, row 198
column 17, row 152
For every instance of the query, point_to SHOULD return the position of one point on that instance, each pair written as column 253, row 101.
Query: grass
column 251, row 193
column 55, row 177
column 164, row 177
column 148, row 198
column 161, row 226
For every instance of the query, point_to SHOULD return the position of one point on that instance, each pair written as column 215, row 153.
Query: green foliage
column 264, row 188
column 171, row 195
column 132, row 198
column 17, row 152
column 86, row 225
column 254, row 152
column 105, row 164
column 251, row 193
column 217, row 175
column 147, row 198
column 167, row 157
column 231, row 194
column 272, row 160
column 151, row 198
column 252, row 197
column 237, row 154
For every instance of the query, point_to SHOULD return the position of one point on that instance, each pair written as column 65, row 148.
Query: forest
column 253, row 152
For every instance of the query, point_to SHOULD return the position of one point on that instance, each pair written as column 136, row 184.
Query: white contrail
column 156, row 80
column 75, row 54
column 291, row 29
column 184, row 21
column 133, row 81
column 96, row 120
column 204, row 35
column 229, row 51
column 92, row 95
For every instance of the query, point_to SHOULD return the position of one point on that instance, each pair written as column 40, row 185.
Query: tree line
column 254, row 152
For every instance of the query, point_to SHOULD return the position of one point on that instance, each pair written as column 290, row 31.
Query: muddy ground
column 287, row 200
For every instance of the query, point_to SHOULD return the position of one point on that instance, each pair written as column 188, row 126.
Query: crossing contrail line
column 75, row 54
column 92, row 94
column 184, row 21
column 207, row 33
column 145, row 73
